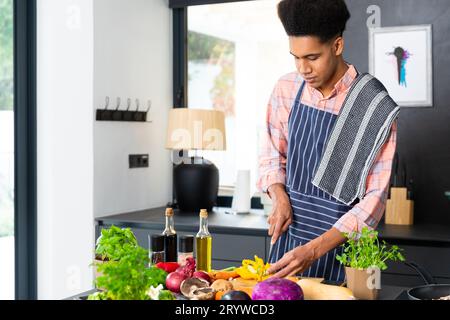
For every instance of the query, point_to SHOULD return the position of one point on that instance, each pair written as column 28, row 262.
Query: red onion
column 173, row 281
column 188, row 269
column 202, row 275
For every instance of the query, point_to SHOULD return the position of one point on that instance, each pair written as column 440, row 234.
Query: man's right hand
column 281, row 216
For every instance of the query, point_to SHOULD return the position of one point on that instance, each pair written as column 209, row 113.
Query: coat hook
column 118, row 103
column 128, row 103
column 149, row 103
column 106, row 102
column 137, row 104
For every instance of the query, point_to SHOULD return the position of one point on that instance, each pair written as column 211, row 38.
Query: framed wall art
column 402, row 59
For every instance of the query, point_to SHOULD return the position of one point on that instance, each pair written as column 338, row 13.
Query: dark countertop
column 426, row 234
column 219, row 221
column 255, row 224
column 386, row 293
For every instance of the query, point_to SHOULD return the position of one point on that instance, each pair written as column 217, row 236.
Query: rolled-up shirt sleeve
column 369, row 211
column 273, row 146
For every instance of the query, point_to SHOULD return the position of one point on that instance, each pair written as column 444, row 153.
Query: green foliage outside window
column 6, row 104
column 206, row 49
column 6, row 55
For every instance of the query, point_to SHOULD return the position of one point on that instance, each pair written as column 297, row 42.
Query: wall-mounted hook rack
column 116, row 114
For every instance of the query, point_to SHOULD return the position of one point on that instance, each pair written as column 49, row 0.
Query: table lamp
column 196, row 180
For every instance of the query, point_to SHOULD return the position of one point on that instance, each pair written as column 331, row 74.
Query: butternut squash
column 313, row 290
column 244, row 285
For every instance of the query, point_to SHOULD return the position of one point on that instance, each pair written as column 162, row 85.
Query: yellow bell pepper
column 253, row 270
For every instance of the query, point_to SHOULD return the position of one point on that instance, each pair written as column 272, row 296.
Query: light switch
column 138, row 161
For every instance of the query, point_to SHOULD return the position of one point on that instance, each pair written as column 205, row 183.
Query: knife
column 404, row 175
column 395, row 176
column 410, row 190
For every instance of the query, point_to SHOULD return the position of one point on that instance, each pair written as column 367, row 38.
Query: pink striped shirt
column 272, row 160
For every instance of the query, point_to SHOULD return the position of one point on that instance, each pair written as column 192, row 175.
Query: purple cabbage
column 277, row 289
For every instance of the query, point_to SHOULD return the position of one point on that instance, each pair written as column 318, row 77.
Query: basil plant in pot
column 123, row 270
column 113, row 244
column 131, row 278
column 364, row 257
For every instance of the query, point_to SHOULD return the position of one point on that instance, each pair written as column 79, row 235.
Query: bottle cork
column 203, row 213
column 169, row 212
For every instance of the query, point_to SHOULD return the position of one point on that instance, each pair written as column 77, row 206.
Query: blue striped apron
column 314, row 211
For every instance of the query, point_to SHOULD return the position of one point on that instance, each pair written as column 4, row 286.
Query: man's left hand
column 293, row 262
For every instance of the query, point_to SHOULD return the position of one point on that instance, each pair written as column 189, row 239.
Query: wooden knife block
column 399, row 210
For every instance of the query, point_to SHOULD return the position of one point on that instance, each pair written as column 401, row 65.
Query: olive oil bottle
column 170, row 238
column 203, row 243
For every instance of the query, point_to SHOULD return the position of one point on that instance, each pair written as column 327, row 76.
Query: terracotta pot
column 364, row 283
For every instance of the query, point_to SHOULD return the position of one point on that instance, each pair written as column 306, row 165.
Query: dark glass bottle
column 170, row 238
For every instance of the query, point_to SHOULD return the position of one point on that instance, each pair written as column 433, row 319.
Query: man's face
column 316, row 61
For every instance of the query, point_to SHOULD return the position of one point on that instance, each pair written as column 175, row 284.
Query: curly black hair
column 325, row 19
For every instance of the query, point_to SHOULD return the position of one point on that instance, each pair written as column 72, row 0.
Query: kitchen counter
column 235, row 237
column 238, row 237
column 218, row 221
column 386, row 293
column 255, row 224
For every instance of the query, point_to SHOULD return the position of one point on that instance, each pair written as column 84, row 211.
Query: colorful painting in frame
column 402, row 59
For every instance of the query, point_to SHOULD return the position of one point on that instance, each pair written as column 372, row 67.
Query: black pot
column 431, row 290
column 196, row 185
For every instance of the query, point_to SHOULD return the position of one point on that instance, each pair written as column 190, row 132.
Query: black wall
column 423, row 133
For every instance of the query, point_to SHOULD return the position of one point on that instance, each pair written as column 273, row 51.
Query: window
column 7, row 290
column 18, row 261
column 236, row 53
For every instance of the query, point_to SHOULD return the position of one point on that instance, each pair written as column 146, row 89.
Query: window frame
column 25, row 146
column 188, row 3
column 180, row 79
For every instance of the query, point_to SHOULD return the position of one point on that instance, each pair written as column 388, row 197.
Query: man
column 307, row 225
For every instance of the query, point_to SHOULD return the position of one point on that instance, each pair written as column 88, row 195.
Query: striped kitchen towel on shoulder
column 362, row 127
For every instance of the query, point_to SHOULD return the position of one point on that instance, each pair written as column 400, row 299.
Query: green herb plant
column 364, row 250
column 130, row 277
column 125, row 273
column 166, row 295
column 100, row 295
column 159, row 293
column 114, row 243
